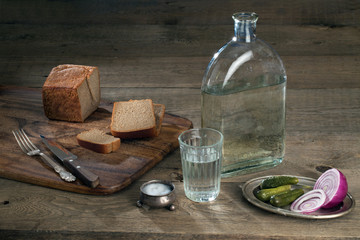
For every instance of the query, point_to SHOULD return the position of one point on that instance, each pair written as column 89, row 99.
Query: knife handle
column 87, row 177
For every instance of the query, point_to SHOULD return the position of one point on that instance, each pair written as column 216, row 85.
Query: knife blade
column 70, row 161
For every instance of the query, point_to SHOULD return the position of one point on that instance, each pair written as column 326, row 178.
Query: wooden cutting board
column 22, row 108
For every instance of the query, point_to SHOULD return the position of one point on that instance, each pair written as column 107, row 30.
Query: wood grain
column 171, row 41
column 22, row 108
column 180, row 72
column 231, row 215
column 185, row 12
column 160, row 49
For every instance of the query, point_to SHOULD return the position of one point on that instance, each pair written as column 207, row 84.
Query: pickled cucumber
column 265, row 194
column 276, row 181
column 286, row 198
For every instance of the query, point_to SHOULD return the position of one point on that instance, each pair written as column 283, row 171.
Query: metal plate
column 342, row 209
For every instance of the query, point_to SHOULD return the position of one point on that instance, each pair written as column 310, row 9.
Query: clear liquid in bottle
column 243, row 96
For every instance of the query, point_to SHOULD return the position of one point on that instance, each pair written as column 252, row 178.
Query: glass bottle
column 243, row 96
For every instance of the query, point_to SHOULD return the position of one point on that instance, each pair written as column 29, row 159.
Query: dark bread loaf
column 71, row 92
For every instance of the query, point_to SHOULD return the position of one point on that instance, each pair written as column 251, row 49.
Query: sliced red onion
column 335, row 186
column 309, row 202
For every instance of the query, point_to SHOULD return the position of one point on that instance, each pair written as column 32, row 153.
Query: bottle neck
column 245, row 26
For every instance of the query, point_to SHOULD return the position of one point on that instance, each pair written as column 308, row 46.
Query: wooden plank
column 179, row 72
column 163, row 12
column 231, row 215
column 335, row 111
column 115, row 41
column 322, row 71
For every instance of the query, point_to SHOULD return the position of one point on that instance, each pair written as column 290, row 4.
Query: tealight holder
column 157, row 194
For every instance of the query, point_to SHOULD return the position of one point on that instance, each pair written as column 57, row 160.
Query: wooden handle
column 87, row 177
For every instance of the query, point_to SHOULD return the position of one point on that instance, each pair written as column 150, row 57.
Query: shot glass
column 201, row 156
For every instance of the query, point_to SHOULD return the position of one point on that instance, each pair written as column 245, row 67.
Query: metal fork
column 31, row 150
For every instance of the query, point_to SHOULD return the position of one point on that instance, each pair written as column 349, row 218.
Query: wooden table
column 159, row 50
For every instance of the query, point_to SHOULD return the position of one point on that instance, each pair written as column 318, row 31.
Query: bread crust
column 135, row 134
column 98, row 147
column 61, row 104
column 74, row 75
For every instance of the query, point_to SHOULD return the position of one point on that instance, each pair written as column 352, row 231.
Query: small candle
column 157, row 189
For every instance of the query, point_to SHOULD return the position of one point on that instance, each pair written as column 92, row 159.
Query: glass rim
column 199, row 129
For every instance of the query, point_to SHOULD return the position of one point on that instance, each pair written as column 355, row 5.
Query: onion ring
column 309, row 202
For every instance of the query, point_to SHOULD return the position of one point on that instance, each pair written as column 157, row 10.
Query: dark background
column 168, row 43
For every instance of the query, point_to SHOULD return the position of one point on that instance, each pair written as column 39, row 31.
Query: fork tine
column 19, row 141
column 28, row 141
column 23, row 141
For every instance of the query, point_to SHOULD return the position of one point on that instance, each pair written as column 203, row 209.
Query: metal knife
column 70, row 161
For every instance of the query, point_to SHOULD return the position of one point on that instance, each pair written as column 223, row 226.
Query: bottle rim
column 245, row 16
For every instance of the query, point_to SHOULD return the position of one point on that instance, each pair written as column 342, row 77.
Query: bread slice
column 98, row 141
column 71, row 92
column 133, row 119
column 159, row 110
